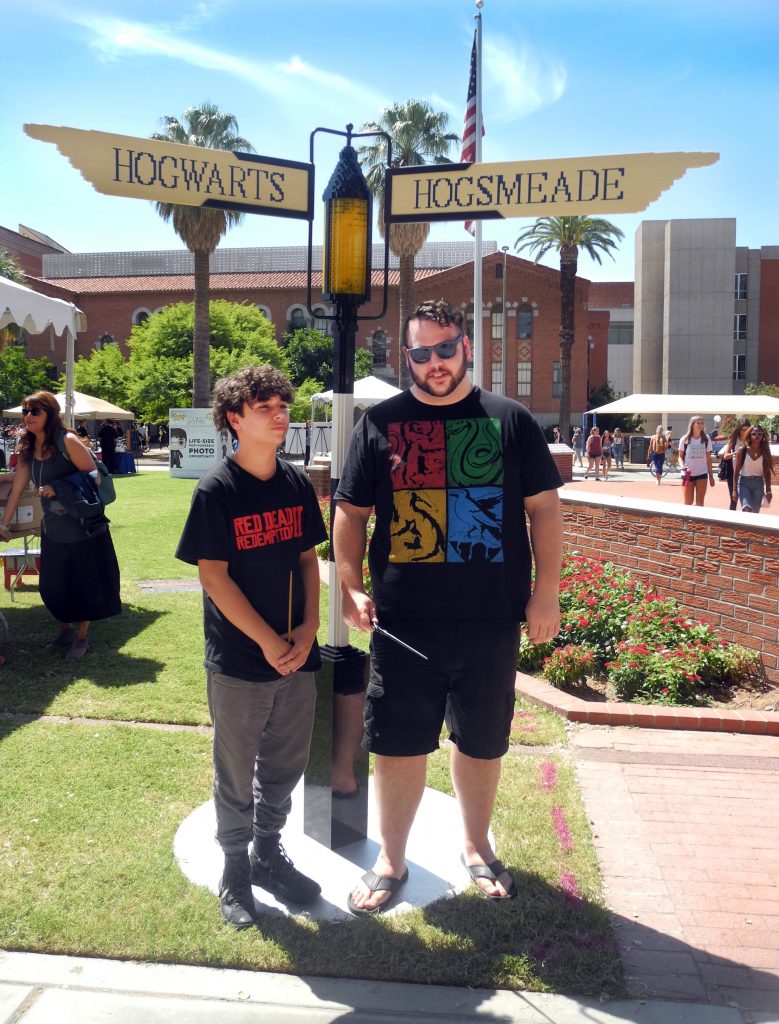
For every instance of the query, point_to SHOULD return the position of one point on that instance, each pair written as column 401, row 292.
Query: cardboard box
column 27, row 518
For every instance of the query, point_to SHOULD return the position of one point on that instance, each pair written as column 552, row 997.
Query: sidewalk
column 42, row 989
column 685, row 826
column 635, row 481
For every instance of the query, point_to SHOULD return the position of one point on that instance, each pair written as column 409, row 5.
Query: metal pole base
column 335, row 823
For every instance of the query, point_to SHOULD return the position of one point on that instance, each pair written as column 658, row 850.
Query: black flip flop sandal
column 491, row 872
column 377, row 883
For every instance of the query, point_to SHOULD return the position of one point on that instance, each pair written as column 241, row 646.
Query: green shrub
column 569, row 665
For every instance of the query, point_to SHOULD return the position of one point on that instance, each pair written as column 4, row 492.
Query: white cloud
column 113, row 38
column 519, row 81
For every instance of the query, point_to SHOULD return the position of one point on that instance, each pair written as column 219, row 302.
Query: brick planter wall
column 722, row 566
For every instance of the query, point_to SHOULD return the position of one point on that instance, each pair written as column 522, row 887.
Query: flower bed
column 644, row 648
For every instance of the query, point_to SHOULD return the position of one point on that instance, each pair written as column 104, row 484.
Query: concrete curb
column 649, row 716
column 38, row 988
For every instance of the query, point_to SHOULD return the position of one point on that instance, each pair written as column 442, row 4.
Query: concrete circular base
column 433, row 857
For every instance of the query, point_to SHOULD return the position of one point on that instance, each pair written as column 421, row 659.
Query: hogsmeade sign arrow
column 574, row 186
column 120, row 165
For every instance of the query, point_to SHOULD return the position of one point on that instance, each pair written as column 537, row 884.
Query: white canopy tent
column 691, row 405
column 35, row 312
column 85, row 407
column 367, row 391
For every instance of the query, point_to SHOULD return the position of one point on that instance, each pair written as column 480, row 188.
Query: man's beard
column 454, row 381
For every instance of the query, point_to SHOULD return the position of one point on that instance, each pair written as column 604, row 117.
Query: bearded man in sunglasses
column 451, row 471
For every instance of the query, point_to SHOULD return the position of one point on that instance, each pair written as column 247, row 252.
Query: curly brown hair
column 437, row 310
column 46, row 400
column 255, row 383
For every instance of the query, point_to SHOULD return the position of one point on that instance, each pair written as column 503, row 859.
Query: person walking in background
column 108, row 434
column 79, row 573
column 577, row 442
column 162, row 435
column 594, row 452
column 752, row 471
column 307, row 450
column 736, row 441
column 618, row 445
column 556, row 434
column 695, row 457
column 657, row 450
column 606, row 454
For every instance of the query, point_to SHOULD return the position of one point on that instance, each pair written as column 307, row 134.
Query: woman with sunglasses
column 752, row 471
column 79, row 574
column 695, row 457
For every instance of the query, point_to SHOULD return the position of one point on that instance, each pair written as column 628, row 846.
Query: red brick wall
column 723, row 572
column 768, row 359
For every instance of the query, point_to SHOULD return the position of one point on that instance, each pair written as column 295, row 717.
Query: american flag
column 468, row 150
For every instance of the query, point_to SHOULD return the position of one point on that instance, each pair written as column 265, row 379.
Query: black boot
column 273, row 871
column 236, row 900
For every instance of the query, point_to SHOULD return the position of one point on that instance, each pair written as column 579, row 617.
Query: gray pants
column 262, row 736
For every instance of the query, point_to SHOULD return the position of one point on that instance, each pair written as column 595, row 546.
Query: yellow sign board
column 573, row 186
column 120, row 165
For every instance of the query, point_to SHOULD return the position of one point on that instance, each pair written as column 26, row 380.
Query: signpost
column 574, row 186
column 120, row 165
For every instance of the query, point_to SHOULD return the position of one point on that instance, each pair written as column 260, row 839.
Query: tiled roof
column 610, row 294
column 227, row 282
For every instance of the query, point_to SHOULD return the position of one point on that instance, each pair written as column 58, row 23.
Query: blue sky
column 561, row 78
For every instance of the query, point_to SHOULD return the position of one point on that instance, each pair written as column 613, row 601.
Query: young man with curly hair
column 251, row 531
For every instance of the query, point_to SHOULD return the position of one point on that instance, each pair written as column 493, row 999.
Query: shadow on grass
column 32, row 676
column 543, row 941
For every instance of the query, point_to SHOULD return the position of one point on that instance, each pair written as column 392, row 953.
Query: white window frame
column 524, row 379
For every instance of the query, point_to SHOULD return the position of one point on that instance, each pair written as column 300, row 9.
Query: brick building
column 117, row 290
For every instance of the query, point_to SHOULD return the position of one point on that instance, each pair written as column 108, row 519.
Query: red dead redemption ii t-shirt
column 260, row 528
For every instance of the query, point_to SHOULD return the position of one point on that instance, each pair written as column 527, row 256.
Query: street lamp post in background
column 346, row 283
column 504, row 346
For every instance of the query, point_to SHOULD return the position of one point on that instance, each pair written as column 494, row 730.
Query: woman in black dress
column 79, row 574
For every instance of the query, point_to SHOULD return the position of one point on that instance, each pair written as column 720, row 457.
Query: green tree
column 300, row 410
column 363, row 363
column 567, row 235
column 10, row 268
column 199, row 228
column 310, row 352
column 160, row 366
column 20, row 376
column 104, row 374
column 419, row 135
column 770, row 423
column 604, row 394
column 309, row 355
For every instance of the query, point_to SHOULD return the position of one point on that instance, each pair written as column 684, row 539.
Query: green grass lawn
column 89, row 811
column 86, row 867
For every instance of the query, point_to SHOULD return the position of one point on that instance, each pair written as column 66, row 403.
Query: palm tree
column 567, row 235
column 418, row 136
column 198, row 228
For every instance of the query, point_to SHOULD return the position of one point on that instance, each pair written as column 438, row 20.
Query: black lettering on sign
column 615, row 184
column 561, row 186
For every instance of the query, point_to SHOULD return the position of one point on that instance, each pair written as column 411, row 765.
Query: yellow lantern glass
column 346, row 248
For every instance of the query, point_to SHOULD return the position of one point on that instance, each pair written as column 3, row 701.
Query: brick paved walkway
column 685, row 827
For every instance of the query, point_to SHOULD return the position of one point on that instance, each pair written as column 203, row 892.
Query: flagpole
column 478, row 323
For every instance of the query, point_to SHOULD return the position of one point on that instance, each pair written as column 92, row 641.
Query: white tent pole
column 69, row 373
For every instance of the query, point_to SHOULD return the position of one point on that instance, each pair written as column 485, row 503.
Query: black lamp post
column 346, row 283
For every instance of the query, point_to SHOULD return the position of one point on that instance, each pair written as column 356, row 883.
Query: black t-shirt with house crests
column 448, row 483
column 260, row 528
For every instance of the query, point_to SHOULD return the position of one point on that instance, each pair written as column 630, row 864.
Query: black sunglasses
column 31, row 410
column 444, row 350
